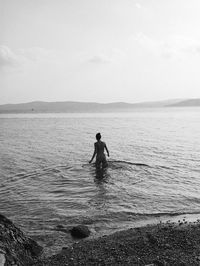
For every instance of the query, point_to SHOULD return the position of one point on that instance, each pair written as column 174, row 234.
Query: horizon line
column 96, row 102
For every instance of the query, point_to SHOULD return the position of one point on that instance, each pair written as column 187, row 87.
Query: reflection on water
column 101, row 179
column 101, row 174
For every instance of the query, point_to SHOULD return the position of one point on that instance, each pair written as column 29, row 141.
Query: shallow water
column 46, row 180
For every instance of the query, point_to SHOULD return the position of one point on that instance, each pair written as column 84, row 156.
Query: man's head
column 98, row 136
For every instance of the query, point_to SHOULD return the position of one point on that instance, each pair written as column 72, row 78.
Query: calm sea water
column 46, row 180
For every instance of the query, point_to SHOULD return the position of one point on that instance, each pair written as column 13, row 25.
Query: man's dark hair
column 98, row 136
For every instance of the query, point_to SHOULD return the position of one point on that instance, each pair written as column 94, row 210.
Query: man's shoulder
column 100, row 143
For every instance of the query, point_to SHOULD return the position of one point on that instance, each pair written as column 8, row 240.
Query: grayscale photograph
column 99, row 132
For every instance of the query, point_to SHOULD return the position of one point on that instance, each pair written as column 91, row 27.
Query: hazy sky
column 99, row 50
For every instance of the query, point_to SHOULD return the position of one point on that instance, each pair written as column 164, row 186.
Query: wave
column 57, row 169
column 161, row 214
column 127, row 162
column 115, row 219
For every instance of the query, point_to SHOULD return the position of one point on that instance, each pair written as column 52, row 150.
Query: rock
column 15, row 247
column 80, row 231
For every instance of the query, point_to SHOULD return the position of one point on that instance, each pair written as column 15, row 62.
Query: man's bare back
column 99, row 148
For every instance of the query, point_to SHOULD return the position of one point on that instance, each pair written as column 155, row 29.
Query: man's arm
column 95, row 151
column 107, row 150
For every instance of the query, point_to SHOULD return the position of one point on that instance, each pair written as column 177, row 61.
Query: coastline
column 162, row 244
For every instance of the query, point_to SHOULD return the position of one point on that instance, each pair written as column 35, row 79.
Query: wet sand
column 162, row 244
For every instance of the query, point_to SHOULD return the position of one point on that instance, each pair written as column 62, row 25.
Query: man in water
column 99, row 147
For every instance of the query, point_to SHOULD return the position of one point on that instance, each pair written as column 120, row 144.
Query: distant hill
column 186, row 103
column 58, row 107
column 88, row 107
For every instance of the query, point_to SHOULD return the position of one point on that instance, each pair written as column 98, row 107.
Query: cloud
column 99, row 59
column 186, row 45
column 156, row 47
column 173, row 46
column 7, row 57
column 146, row 42
column 36, row 53
column 112, row 55
column 26, row 56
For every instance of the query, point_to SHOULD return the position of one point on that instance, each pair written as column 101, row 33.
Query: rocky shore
column 15, row 247
column 154, row 245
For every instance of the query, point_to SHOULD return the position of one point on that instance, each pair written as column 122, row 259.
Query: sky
column 99, row 50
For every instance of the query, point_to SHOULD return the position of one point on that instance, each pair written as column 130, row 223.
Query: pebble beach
column 153, row 245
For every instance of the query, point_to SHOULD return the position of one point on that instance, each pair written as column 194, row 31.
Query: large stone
column 80, row 231
column 15, row 247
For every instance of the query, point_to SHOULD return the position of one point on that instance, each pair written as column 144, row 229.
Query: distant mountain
column 88, row 107
column 186, row 103
column 58, row 107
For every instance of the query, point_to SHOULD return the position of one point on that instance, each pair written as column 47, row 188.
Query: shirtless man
column 99, row 147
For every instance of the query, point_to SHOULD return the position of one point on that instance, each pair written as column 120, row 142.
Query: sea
column 47, row 185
